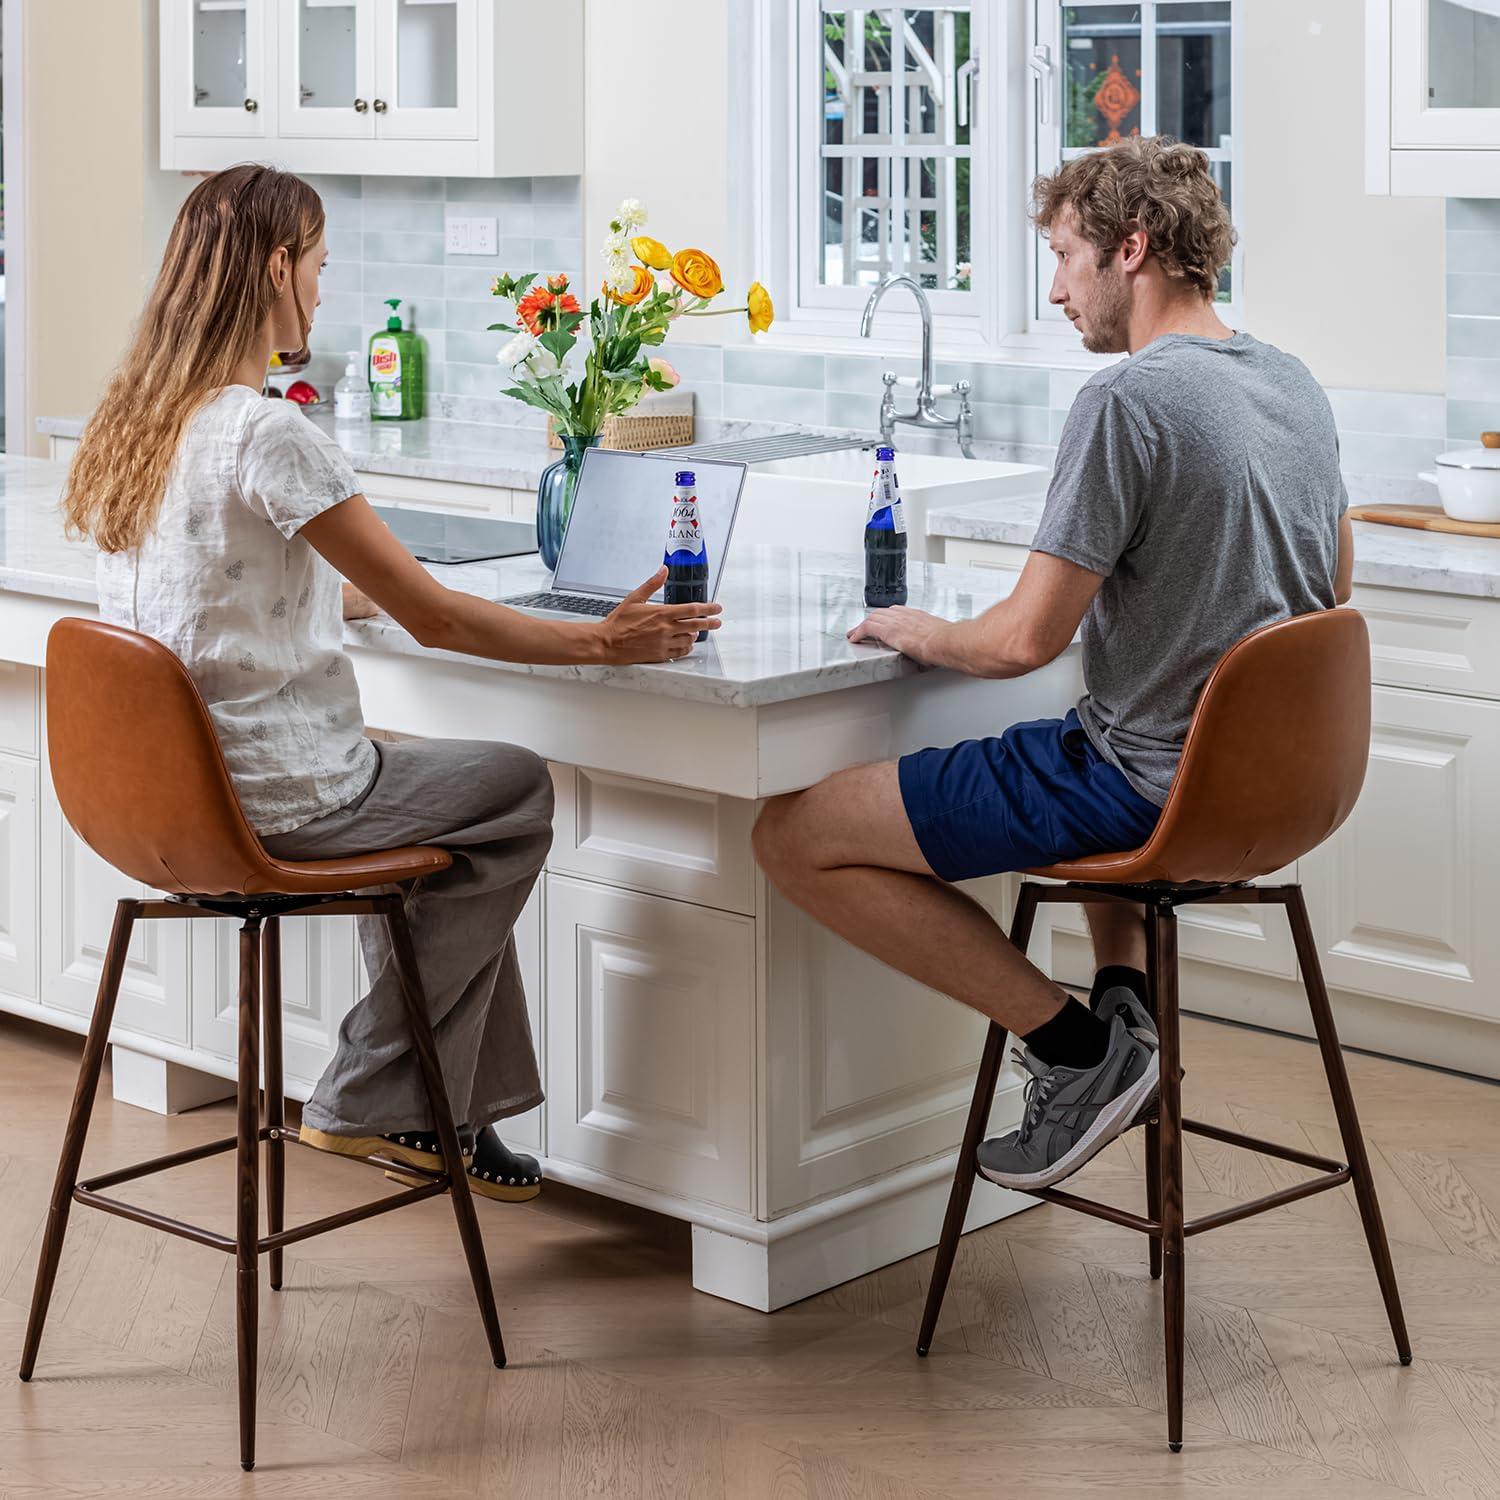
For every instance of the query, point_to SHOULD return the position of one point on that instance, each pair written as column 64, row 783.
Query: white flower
column 619, row 276
column 514, row 353
column 617, row 248
column 631, row 214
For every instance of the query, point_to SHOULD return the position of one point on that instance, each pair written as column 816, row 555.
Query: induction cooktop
column 435, row 536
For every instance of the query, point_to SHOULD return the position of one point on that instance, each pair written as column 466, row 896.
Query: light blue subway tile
column 999, row 385
column 474, row 380
column 345, row 242
column 699, row 365
column 860, row 373
column 853, row 411
column 498, row 411
column 341, row 276
column 327, row 186
column 1393, row 413
column 404, row 249
column 468, row 284
column 1368, row 453
column 1475, row 380
column 769, row 403
column 557, row 221
column 708, row 400
column 405, row 215
column 1467, row 419
column 772, row 367
column 384, row 280
column 475, row 316
column 335, row 339
column 1473, row 338
column 1473, row 213
column 424, row 189
column 1064, row 385
column 473, row 348
column 556, row 189
column 1057, row 420
column 488, row 190
column 558, row 254
column 1474, row 294
column 342, row 307
column 1474, row 251
column 1010, row 424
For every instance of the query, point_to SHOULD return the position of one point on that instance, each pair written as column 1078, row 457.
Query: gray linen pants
column 490, row 806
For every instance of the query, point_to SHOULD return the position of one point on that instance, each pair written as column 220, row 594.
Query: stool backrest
column 137, row 765
column 1275, row 756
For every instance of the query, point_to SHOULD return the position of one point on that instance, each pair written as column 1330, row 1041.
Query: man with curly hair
column 1196, row 497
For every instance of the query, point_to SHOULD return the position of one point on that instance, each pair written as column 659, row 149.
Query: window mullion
column 1148, row 67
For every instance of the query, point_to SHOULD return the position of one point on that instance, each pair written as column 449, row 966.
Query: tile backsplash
column 386, row 239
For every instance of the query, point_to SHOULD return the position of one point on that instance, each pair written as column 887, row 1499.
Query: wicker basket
column 662, row 420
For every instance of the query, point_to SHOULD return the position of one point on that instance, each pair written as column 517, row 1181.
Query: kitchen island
column 707, row 1051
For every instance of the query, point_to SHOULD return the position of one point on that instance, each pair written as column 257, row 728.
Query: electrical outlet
column 482, row 236
column 459, row 236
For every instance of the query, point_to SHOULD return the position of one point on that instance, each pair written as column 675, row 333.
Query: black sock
column 1074, row 1037
column 1119, row 976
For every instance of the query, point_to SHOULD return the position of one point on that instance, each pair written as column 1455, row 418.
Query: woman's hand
column 912, row 632
column 638, row 631
column 358, row 606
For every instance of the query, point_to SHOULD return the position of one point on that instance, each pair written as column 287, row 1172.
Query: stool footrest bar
column 1266, row 1148
column 1271, row 1200
column 161, row 1163
column 152, row 1220
column 1098, row 1210
column 352, row 1215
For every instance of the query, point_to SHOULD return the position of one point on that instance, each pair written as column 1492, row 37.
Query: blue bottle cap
column 686, row 476
column 885, row 455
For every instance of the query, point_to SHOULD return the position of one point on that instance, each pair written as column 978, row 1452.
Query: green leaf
column 557, row 343
column 569, row 323
column 521, row 287
column 501, row 328
column 656, row 381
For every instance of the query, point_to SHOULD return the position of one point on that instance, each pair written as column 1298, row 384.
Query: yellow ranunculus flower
column 696, row 272
column 645, row 283
column 651, row 252
column 762, row 312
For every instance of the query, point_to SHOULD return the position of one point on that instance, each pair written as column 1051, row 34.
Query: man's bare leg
column 1118, row 930
column 844, row 852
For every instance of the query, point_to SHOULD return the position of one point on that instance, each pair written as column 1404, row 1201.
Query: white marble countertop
column 467, row 452
column 1384, row 556
column 785, row 613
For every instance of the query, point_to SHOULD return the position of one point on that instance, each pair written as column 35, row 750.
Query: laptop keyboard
column 572, row 604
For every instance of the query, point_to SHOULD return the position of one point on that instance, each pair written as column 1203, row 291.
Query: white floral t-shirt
column 253, row 612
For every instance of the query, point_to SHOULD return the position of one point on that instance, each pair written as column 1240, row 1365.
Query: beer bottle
column 885, row 536
column 686, row 557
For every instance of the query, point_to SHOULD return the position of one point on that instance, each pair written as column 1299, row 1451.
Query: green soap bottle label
column 385, row 378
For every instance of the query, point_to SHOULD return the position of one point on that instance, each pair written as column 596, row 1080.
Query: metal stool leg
column 275, row 1103
column 979, row 1114
column 247, row 1185
column 1153, row 1125
column 1163, row 920
column 77, row 1131
column 1348, row 1117
column 412, row 992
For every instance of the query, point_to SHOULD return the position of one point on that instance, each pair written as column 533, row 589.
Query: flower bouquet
column 582, row 382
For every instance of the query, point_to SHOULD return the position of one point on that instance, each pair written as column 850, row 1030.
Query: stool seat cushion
column 352, row 873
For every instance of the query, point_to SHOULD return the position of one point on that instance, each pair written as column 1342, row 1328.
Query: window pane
column 219, row 59
column 1463, row 55
column 893, row 79
column 1222, row 175
column 1192, row 76
column 1102, row 48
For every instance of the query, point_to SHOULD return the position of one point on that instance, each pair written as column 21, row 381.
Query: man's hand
column 358, row 606
column 912, row 632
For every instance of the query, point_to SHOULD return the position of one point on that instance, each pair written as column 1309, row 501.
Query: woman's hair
column 1150, row 183
column 202, row 319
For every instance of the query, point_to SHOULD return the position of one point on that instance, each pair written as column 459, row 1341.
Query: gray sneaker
column 1122, row 1001
column 1072, row 1113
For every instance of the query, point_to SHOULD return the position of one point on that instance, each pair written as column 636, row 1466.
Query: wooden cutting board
column 1422, row 518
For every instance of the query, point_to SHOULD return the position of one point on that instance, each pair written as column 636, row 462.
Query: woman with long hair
column 224, row 521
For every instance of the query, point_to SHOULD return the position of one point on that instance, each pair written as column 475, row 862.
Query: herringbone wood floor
column 1046, row 1378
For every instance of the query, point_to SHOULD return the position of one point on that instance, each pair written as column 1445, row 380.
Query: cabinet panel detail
column 650, row 1039
column 18, row 876
column 18, row 708
column 1439, row 641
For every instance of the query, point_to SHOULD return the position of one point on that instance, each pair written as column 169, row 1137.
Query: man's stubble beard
column 1108, row 319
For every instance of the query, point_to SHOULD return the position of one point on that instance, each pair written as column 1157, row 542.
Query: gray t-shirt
column 1200, row 477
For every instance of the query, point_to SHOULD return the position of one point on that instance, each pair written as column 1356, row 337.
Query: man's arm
column 1343, row 573
column 1016, row 636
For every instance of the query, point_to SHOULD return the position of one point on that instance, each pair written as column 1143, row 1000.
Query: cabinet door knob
column 251, row 106
column 360, row 106
column 380, row 106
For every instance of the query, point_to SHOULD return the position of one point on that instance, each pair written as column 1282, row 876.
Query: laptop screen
column 617, row 531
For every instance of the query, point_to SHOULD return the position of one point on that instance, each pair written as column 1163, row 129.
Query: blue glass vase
column 554, row 496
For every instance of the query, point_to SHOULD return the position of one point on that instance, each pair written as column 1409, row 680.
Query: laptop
column 617, row 530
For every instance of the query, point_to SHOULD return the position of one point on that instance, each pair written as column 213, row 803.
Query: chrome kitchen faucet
column 925, row 414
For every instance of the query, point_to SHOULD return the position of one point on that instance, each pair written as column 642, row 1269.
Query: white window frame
column 779, row 172
column 1047, row 153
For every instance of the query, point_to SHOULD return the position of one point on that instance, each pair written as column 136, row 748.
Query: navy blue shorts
column 1038, row 794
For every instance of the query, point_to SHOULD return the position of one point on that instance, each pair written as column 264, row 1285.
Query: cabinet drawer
column 965, row 554
column 1444, row 642
column 650, row 1040
column 654, row 837
column 18, row 708
column 435, row 494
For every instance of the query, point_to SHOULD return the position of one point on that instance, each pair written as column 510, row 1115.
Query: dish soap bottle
column 351, row 396
column 397, row 375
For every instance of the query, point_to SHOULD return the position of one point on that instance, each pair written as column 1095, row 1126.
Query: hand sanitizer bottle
column 351, row 396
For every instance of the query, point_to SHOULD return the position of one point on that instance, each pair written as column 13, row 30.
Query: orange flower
column 558, row 283
column 651, row 252
column 539, row 311
column 697, row 274
column 645, row 284
column 760, row 308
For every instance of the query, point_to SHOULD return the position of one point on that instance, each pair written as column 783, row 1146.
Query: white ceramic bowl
column 1468, row 483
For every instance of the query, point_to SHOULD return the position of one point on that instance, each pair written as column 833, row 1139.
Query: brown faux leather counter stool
column 1274, row 761
column 142, row 781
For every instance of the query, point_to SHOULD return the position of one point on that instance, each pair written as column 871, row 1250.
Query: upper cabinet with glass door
column 392, row 87
column 215, row 71
column 1432, row 100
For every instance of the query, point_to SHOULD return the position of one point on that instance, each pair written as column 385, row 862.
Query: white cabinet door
column 528, row 1131
column 651, row 1040
column 320, row 981
column 326, row 69
column 77, row 897
column 18, row 876
column 1445, row 74
column 216, row 68
column 427, row 70
column 1404, row 898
